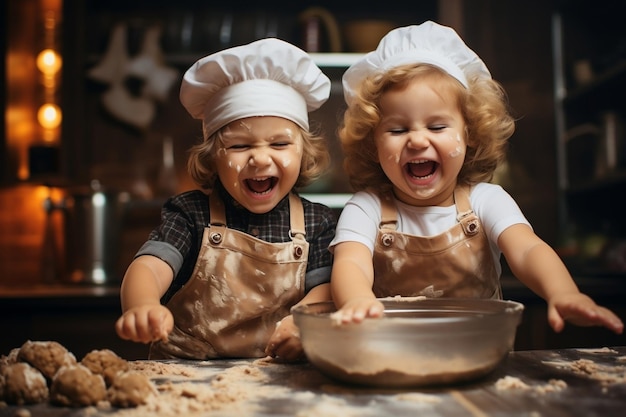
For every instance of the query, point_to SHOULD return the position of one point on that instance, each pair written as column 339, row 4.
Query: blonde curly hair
column 202, row 168
column 484, row 106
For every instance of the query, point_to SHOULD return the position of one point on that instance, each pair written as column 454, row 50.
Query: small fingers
column 131, row 327
column 158, row 326
column 360, row 311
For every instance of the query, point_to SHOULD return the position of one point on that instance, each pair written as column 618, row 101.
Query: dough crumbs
column 508, row 383
column 606, row 374
column 598, row 350
column 22, row 384
column 154, row 369
column 511, row 383
column 233, row 390
column 416, row 397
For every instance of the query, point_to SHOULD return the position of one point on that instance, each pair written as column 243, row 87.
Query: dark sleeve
column 320, row 227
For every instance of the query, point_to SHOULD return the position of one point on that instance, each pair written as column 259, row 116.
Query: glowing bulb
column 49, row 62
column 49, row 116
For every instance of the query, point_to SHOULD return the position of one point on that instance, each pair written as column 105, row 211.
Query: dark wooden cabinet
column 101, row 145
column 590, row 78
column 81, row 319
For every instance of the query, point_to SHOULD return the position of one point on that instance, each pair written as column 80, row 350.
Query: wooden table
column 550, row 383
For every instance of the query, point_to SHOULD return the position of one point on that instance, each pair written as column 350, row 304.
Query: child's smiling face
column 259, row 160
column 421, row 142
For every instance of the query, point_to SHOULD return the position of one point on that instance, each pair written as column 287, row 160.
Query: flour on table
column 233, row 391
column 329, row 406
column 598, row 350
column 154, row 369
column 416, row 397
column 513, row 383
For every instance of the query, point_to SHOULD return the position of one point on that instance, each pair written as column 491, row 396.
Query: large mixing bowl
column 418, row 341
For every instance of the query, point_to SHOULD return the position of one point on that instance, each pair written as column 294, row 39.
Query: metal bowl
column 419, row 341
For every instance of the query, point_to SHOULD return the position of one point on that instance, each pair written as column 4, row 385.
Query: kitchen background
column 79, row 193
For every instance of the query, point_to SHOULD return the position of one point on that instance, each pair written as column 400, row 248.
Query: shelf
column 340, row 60
column 614, row 179
column 589, row 126
column 323, row 60
column 604, row 91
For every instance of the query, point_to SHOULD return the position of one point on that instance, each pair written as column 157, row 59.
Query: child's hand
column 285, row 342
column 145, row 324
column 357, row 309
column 580, row 310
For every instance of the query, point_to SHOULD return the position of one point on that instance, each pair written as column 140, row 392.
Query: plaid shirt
column 185, row 216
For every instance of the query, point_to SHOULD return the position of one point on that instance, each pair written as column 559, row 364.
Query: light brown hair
column 484, row 107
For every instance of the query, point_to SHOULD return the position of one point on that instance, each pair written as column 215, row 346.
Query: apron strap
column 465, row 215
column 296, row 216
column 217, row 210
column 389, row 217
column 462, row 201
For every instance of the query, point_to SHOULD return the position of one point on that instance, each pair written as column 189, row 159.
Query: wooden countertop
column 564, row 382
column 58, row 290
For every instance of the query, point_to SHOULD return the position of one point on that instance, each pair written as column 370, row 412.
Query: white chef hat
column 428, row 43
column 268, row 77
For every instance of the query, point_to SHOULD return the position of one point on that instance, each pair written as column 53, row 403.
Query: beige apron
column 240, row 288
column 455, row 263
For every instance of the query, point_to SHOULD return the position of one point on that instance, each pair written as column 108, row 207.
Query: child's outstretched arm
column 351, row 283
column 538, row 266
column 143, row 318
column 285, row 342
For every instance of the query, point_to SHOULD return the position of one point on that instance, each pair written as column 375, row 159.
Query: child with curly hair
column 425, row 128
column 218, row 276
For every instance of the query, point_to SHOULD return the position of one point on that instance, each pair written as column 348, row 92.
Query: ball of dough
column 46, row 356
column 10, row 358
column 105, row 362
column 22, row 384
column 130, row 389
column 77, row 386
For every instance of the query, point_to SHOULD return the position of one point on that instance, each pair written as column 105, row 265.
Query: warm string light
column 49, row 63
column 49, row 116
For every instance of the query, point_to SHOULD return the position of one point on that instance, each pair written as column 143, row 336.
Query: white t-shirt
column 495, row 208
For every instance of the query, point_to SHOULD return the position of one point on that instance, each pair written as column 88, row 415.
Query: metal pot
column 92, row 232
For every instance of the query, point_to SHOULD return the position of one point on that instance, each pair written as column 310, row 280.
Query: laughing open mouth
column 421, row 169
column 261, row 185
